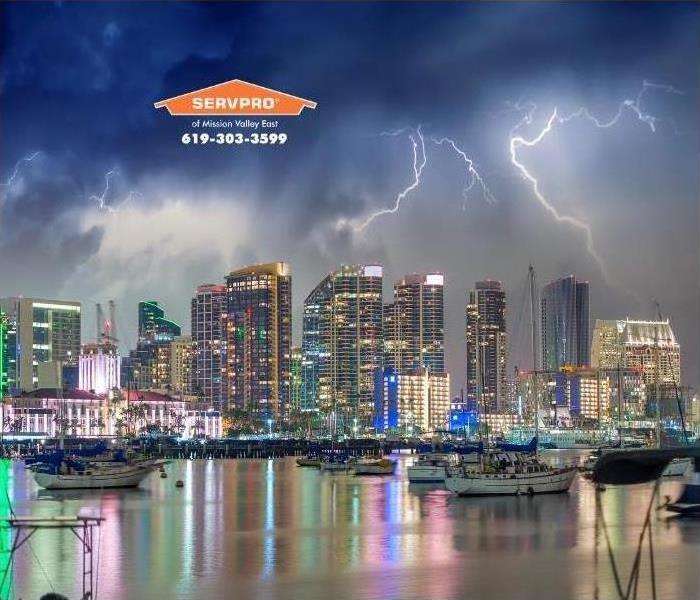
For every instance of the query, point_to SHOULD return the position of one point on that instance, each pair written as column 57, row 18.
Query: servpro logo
column 235, row 97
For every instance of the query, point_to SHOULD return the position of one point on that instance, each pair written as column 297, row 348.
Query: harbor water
column 269, row 529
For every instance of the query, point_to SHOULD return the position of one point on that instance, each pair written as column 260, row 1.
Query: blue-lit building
column 386, row 399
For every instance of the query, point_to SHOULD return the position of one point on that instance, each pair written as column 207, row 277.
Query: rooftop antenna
column 99, row 322
column 111, row 325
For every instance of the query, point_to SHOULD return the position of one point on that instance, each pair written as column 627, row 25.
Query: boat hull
column 480, row 484
column 308, row 462
column 426, row 474
column 374, row 469
column 333, row 467
column 677, row 467
column 123, row 478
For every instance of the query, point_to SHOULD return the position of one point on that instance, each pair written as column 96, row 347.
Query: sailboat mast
column 533, row 325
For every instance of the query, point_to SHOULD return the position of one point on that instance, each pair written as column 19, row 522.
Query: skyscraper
column 259, row 337
column 345, row 310
column 565, row 324
column 41, row 331
column 414, row 324
column 149, row 364
column 182, row 353
column 153, row 322
column 208, row 336
column 315, row 353
column 487, row 345
column 3, row 355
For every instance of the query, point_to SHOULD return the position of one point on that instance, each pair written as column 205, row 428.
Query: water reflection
column 264, row 528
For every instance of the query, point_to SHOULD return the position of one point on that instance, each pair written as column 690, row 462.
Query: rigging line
column 634, row 574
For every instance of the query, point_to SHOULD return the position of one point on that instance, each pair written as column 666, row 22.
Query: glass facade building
column 208, row 310
column 487, row 343
column 414, row 330
column 39, row 331
column 259, row 338
column 565, row 333
column 343, row 342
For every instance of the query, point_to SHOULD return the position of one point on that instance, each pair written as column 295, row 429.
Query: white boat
column 373, row 466
column 97, row 475
column 510, row 473
column 431, row 467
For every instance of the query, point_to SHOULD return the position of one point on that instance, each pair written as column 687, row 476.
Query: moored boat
column 509, row 473
column 373, row 466
column 431, row 467
column 309, row 461
column 334, row 462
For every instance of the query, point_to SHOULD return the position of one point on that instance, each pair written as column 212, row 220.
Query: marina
column 276, row 530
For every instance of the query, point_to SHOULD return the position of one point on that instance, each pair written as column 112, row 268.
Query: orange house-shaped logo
column 235, row 97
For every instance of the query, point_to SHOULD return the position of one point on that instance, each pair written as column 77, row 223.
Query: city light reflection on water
column 268, row 529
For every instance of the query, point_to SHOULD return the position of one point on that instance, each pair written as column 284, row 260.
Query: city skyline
column 104, row 202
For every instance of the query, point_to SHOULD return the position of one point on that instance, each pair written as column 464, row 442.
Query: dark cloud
column 78, row 82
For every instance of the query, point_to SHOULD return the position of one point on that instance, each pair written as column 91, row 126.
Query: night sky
column 78, row 83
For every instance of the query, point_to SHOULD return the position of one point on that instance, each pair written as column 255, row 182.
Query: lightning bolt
column 101, row 199
column 474, row 176
column 633, row 105
column 419, row 162
column 10, row 181
column 15, row 173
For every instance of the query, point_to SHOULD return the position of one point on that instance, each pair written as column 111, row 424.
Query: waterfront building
column 182, row 355
column 295, row 380
column 3, row 355
column 208, row 309
column 315, row 352
column 150, row 362
column 645, row 347
column 99, row 367
column 348, row 347
column 487, row 343
column 414, row 327
column 565, row 324
column 39, row 330
column 258, row 338
column 413, row 402
column 85, row 414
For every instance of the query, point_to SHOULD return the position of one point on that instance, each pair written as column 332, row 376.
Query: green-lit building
column 3, row 355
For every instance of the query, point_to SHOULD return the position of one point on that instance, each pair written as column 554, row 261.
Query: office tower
column 41, row 331
column 295, row 380
column 315, row 353
column 565, row 324
column 650, row 347
column 487, row 344
column 153, row 323
column 182, row 353
column 149, row 364
column 99, row 365
column 3, row 355
column 414, row 402
column 259, row 336
column 208, row 331
column 414, row 324
column 349, row 344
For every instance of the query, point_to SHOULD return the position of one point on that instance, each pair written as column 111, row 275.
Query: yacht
column 432, row 467
column 61, row 471
column 509, row 473
column 373, row 466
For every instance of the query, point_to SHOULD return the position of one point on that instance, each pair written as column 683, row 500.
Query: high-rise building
column 414, row 324
column 39, row 331
column 259, row 338
column 315, row 353
column 344, row 341
column 182, row 353
column 3, row 355
column 646, row 347
column 487, row 345
column 149, row 364
column 565, row 324
column 153, row 324
column 295, row 380
column 413, row 402
column 99, row 368
column 208, row 337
